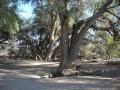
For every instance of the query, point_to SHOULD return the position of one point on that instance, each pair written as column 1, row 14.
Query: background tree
column 9, row 21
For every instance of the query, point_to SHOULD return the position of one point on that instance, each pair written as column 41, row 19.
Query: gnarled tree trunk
column 69, row 54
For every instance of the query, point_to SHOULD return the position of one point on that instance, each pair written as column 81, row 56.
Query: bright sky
column 26, row 10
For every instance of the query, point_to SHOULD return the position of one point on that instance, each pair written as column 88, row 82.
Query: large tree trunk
column 53, row 45
column 51, row 42
column 63, row 15
column 83, row 27
column 64, row 40
column 67, row 56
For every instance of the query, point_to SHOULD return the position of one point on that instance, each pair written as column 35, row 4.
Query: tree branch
column 74, row 48
column 113, row 14
column 107, row 29
column 113, row 6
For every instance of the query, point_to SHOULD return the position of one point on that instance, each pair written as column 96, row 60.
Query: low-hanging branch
column 102, row 29
column 112, row 32
column 113, row 14
column 114, row 6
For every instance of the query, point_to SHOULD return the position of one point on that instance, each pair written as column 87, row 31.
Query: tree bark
column 64, row 18
column 69, row 55
column 77, row 42
column 75, row 46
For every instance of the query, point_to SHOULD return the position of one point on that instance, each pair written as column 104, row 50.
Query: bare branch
column 107, row 29
column 113, row 14
column 113, row 6
column 100, row 28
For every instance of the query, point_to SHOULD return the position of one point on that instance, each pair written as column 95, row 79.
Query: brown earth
column 30, row 75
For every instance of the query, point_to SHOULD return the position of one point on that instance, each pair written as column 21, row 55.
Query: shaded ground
column 27, row 75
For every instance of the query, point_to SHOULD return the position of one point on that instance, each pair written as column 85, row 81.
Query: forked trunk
column 68, row 56
column 75, row 45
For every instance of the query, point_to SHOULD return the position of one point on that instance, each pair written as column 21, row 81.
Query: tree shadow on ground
column 20, row 76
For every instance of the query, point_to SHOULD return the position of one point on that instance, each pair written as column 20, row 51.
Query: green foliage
column 47, row 13
column 112, row 47
column 9, row 20
column 99, row 4
column 115, row 53
column 110, row 40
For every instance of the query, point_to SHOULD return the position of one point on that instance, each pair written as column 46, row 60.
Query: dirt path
column 27, row 75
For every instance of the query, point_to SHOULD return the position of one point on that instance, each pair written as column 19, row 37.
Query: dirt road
column 27, row 75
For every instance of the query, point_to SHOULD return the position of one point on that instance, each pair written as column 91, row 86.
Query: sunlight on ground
column 34, row 74
column 81, row 79
column 30, row 76
column 16, row 73
column 36, row 63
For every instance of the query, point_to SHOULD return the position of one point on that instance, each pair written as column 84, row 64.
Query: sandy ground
column 28, row 75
